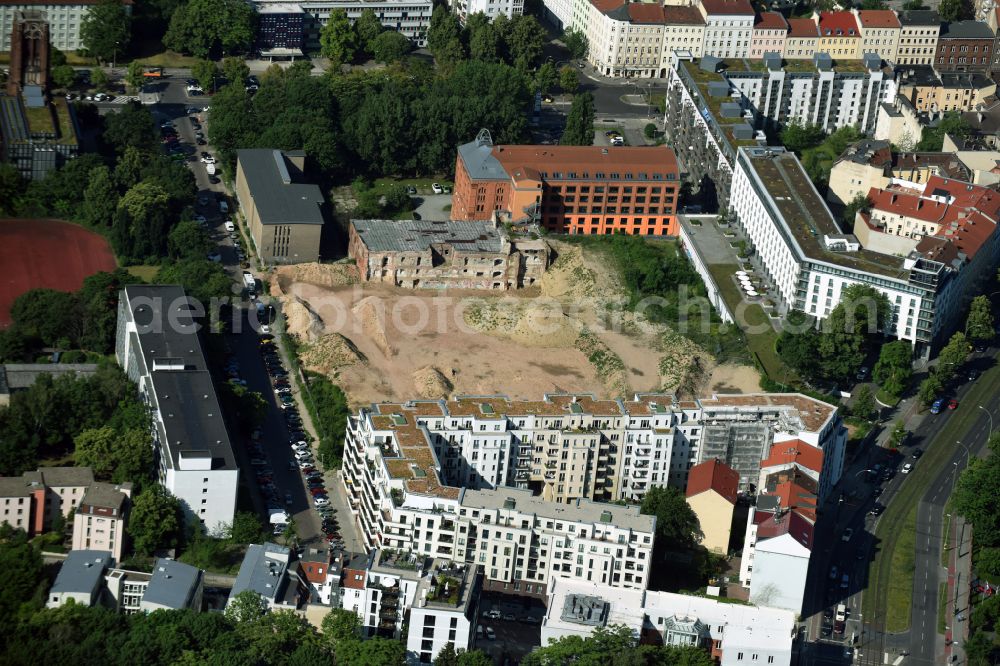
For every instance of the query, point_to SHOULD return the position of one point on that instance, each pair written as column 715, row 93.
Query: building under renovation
column 417, row 254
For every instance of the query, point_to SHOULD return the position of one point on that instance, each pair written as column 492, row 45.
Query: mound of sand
column 683, row 366
column 320, row 275
column 331, row 353
column 575, row 276
column 430, row 383
column 370, row 313
column 301, row 321
column 534, row 323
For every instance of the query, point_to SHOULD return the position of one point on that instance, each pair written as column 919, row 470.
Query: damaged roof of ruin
column 419, row 235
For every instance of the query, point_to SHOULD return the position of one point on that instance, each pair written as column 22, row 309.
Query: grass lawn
column 168, row 59
column 904, row 552
column 423, row 185
column 762, row 340
column 143, row 272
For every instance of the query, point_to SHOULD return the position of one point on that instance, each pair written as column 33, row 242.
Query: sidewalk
column 959, row 576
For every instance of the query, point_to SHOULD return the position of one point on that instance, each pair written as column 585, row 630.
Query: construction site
column 568, row 332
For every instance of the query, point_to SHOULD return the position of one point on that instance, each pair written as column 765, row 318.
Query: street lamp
column 989, row 414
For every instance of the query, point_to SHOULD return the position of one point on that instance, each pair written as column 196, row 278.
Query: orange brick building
column 569, row 189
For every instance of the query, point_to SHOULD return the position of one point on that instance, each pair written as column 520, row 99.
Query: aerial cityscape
column 470, row 333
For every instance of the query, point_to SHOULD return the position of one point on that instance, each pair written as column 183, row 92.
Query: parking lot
column 512, row 635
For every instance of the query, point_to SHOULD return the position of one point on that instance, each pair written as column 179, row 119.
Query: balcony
column 550, row 476
column 551, row 464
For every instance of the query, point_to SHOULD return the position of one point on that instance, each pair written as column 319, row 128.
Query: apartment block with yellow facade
column 802, row 39
column 711, row 493
column 918, row 35
column 880, row 30
column 839, row 36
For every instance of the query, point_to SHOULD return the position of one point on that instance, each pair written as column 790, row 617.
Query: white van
column 230, row 227
column 210, row 169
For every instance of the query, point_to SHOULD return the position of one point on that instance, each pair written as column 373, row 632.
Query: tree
column 952, row 356
column 205, row 72
column 444, row 36
column 484, row 42
column 390, row 46
column 576, row 42
column 337, row 39
column 913, row 5
column 798, row 345
column 94, row 449
column 98, row 78
column 155, row 523
column 894, row 367
column 525, row 41
column 201, row 278
column 474, row 658
column 546, row 78
column 860, row 203
column 247, row 607
column 676, row 523
column 134, row 75
column 977, row 497
column 447, row 656
column 235, row 70
column 11, row 189
column 63, row 76
column 864, row 403
column 133, row 126
column 930, row 388
column 187, row 240
column 649, row 131
column 19, row 597
column 142, row 222
column 580, row 122
column 47, row 315
column 376, row 651
column 368, row 27
column 105, row 30
column 950, row 10
column 205, row 27
column 873, row 4
column 246, row 528
column 979, row 324
column 569, row 80
column 951, row 123
column 341, row 624
column 797, row 136
column 99, row 199
column 862, row 312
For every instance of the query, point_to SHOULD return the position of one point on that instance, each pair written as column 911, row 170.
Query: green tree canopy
column 860, row 203
column 525, row 41
column 337, row 39
column 341, row 624
column 156, row 521
column 116, row 456
column 894, row 367
column 797, row 136
column 368, row 27
column 676, row 524
column 132, row 126
column 390, row 46
column 134, row 75
column 203, row 28
column 615, row 644
column 546, row 78
column 105, row 30
column 979, row 324
column 235, row 70
column 569, row 80
column 201, row 278
column 187, row 240
column 63, row 75
column 576, row 42
column 205, row 72
column 952, row 356
column 952, row 123
column 951, row 10
column 484, row 42
column 247, row 607
column 444, row 36
column 580, row 122
column 864, row 403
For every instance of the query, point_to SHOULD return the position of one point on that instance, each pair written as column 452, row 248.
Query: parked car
column 907, row 468
column 916, row 453
column 876, row 509
column 937, row 405
column 847, row 534
column 953, row 404
column 321, row 501
column 436, row 188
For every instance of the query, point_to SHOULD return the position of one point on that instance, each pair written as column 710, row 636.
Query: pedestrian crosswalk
column 124, row 99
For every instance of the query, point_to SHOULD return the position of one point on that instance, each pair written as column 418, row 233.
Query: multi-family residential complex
column 930, row 92
column 728, row 27
column 839, row 36
column 770, row 29
column 171, row 585
column 80, row 578
column 964, row 46
column 409, row 17
column 455, row 479
column 712, row 491
column 274, row 573
column 918, row 35
column 734, row 634
column 64, row 18
column 880, row 32
column 33, row 500
column 441, row 254
column 715, row 107
column 100, row 519
column 491, row 8
column 569, row 189
column 810, row 260
column 158, row 347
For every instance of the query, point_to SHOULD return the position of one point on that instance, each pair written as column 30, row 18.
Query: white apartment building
column 100, row 519
column 158, row 347
column 80, row 578
column 437, row 477
column 443, row 611
column 409, row 17
column 683, row 30
column 880, row 32
column 809, row 260
column 728, row 27
column 918, row 36
column 734, row 634
column 64, row 17
column 491, row 8
column 172, row 585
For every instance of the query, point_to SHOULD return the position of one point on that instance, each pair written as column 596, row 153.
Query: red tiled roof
column 714, row 475
column 795, row 451
column 791, row 523
column 350, row 581
column 315, row 571
column 645, row 12
column 605, row 6
column 728, row 7
column 678, row 14
column 770, row 21
column 838, row 24
column 591, row 159
column 878, row 18
column 802, row 27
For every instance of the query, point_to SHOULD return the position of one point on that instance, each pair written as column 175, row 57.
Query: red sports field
column 47, row 253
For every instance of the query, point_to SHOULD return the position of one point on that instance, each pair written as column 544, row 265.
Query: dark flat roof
column 278, row 197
